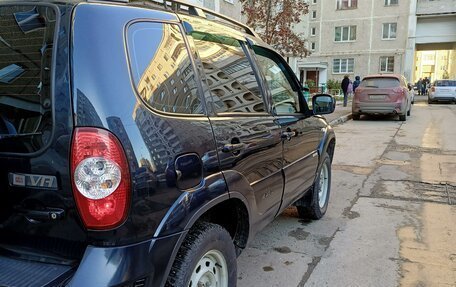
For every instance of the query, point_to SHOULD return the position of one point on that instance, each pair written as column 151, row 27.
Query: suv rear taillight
column 100, row 177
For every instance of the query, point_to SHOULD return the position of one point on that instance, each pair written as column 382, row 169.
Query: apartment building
column 361, row 37
column 431, row 44
column 230, row 8
column 355, row 37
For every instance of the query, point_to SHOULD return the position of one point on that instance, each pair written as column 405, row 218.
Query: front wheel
column 403, row 118
column 320, row 192
column 207, row 258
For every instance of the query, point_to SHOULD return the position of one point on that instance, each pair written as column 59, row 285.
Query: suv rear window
column 380, row 83
column 26, row 44
column 445, row 83
column 161, row 68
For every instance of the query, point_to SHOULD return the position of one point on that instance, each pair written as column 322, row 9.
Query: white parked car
column 442, row 90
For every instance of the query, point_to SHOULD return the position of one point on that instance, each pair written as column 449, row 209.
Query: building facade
column 431, row 44
column 355, row 37
column 230, row 8
column 361, row 37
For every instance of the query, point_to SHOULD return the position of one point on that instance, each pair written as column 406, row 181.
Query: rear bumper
column 443, row 98
column 378, row 108
column 18, row 272
column 147, row 262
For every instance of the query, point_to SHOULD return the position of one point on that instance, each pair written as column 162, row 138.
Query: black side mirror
column 323, row 104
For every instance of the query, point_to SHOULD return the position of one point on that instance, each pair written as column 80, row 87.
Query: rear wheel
column 403, row 118
column 206, row 258
column 356, row 117
column 408, row 112
column 320, row 192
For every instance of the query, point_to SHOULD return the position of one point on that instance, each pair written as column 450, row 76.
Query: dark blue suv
column 144, row 144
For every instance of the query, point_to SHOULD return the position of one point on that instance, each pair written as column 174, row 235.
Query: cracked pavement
column 392, row 213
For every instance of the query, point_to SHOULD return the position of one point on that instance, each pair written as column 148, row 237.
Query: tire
column 403, row 118
column 429, row 101
column 408, row 112
column 206, row 258
column 319, row 193
column 356, row 117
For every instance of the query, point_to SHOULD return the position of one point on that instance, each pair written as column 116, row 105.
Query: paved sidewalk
column 341, row 114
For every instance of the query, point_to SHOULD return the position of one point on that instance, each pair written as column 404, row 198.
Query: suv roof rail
column 195, row 10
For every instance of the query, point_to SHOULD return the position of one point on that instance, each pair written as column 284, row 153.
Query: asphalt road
column 392, row 214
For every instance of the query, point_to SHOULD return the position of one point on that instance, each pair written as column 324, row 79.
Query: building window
column 391, row 2
column 313, row 31
column 312, row 46
column 346, row 4
column 314, row 14
column 389, row 31
column 341, row 66
column 345, row 33
column 387, row 64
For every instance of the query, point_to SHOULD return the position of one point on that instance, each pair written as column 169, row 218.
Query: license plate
column 377, row 97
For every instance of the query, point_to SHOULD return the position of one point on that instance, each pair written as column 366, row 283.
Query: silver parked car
column 442, row 90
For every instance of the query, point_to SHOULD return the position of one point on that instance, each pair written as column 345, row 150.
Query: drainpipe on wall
column 370, row 37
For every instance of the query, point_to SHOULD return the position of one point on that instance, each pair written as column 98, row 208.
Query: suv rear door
column 38, row 220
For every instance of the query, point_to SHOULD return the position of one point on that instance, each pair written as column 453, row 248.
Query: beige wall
column 232, row 10
column 369, row 46
column 435, row 7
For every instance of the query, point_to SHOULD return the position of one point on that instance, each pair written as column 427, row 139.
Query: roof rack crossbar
column 197, row 10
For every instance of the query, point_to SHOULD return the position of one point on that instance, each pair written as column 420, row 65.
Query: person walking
column 356, row 83
column 419, row 86
column 344, row 87
column 425, row 86
column 350, row 88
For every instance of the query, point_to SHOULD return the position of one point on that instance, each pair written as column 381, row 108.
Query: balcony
column 435, row 7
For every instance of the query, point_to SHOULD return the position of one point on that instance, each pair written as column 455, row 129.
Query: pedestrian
column 419, row 86
column 344, row 87
column 356, row 83
column 425, row 86
column 350, row 88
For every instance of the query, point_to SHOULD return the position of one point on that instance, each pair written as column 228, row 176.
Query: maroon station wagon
column 382, row 95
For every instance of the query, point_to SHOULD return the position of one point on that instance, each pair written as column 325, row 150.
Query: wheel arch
column 327, row 143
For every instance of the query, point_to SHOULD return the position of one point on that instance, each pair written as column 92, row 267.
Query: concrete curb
column 341, row 120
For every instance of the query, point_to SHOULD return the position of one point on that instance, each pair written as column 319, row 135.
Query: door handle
column 234, row 147
column 288, row 135
column 42, row 215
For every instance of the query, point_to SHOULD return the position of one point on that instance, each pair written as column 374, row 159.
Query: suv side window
column 161, row 68
column 285, row 99
column 229, row 74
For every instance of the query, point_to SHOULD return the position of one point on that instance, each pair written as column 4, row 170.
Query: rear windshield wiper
column 9, row 136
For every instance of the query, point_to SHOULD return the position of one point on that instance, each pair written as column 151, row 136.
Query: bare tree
column 274, row 20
